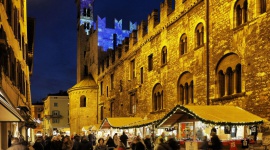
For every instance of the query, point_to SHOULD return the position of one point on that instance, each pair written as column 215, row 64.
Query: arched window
column 230, row 82
column 241, row 12
column 221, row 79
column 199, row 34
column 183, row 44
column 164, row 55
column 229, row 75
column 157, row 97
column 238, row 80
column 83, row 101
column 186, row 88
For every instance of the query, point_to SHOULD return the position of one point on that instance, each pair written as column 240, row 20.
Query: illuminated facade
column 192, row 53
column 56, row 114
column 16, row 52
column 37, row 112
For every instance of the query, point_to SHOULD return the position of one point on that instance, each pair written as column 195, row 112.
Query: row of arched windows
column 241, row 10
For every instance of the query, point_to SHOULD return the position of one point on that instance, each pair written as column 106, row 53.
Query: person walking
column 161, row 145
column 38, row 144
column 116, row 139
column 124, row 138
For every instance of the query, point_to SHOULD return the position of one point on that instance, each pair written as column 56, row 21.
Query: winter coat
column 124, row 139
column 85, row 145
column 56, row 145
column 148, row 143
column 110, row 143
column 173, row 143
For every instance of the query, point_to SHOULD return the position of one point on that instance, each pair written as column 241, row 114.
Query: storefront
column 192, row 123
column 10, row 120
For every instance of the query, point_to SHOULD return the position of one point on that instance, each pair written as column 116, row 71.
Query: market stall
column 192, row 123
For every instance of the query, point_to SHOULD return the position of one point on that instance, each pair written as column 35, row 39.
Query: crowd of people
column 89, row 142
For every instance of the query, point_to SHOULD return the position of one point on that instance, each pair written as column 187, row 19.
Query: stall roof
column 140, row 123
column 213, row 114
column 91, row 127
column 118, row 122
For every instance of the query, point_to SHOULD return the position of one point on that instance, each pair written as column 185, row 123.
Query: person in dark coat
column 124, row 138
column 204, row 145
column 85, row 144
column 110, row 143
column 76, row 143
column 38, row 144
column 215, row 142
column 173, row 143
column 148, row 142
column 101, row 145
column 47, row 143
column 56, row 143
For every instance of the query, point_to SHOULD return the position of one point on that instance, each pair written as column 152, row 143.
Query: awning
column 8, row 112
column 214, row 114
column 140, row 123
column 118, row 122
column 90, row 128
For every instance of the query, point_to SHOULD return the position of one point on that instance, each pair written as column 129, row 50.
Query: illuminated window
column 185, row 88
column 241, row 12
column 157, row 97
column 164, row 55
column 200, row 34
column 83, row 101
column 183, row 44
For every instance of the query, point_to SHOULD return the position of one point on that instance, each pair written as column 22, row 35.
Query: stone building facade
column 194, row 52
column 16, row 64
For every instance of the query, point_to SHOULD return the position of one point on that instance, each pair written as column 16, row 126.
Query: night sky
column 55, row 38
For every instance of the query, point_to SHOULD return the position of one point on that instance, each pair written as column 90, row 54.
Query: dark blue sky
column 55, row 38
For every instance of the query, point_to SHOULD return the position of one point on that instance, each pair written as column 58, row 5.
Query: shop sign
column 169, row 129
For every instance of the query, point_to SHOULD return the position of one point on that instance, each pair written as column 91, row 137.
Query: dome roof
column 87, row 83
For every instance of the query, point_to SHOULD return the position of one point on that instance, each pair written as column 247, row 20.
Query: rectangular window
column 38, row 115
column 132, row 69
column 107, row 91
column 101, row 88
column 133, row 103
column 55, row 104
column 112, row 109
column 55, row 113
column 141, row 75
column 112, row 81
column 55, row 120
column 150, row 62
